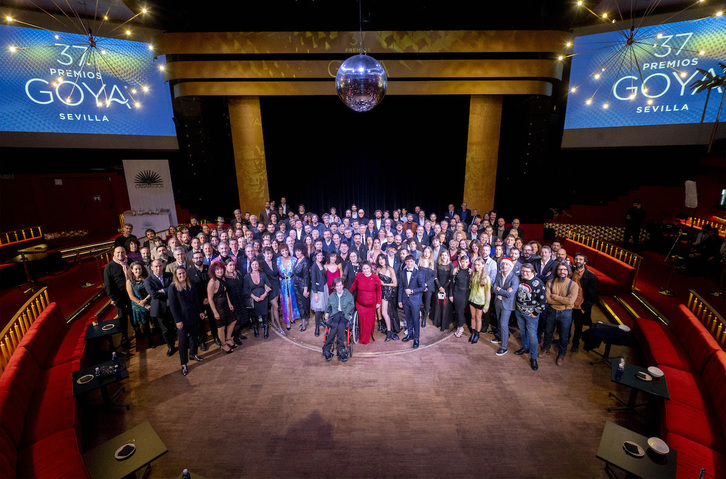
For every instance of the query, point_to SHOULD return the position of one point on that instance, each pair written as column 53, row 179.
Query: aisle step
column 615, row 311
column 635, row 307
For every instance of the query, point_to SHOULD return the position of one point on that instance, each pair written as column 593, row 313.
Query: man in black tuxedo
column 157, row 285
column 410, row 288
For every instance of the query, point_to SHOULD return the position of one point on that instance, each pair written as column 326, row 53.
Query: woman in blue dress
column 288, row 302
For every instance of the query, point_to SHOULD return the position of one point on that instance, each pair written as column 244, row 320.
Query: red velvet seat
column 614, row 276
column 606, row 286
column 618, row 270
column 694, row 338
column 8, row 455
column 53, row 407
column 692, row 457
column 38, row 413
column 688, row 388
column 72, row 347
column 695, row 424
column 17, row 385
column 662, row 345
column 714, row 377
column 55, row 457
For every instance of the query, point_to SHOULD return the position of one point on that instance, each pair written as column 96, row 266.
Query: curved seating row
column 613, row 276
column 693, row 421
column 39, row 417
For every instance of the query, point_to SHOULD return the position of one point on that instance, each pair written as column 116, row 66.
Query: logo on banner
column 148, row 179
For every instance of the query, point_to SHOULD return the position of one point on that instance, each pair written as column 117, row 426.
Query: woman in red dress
column 367, row 301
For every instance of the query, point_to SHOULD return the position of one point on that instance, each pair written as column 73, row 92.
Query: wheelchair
column 351, row 335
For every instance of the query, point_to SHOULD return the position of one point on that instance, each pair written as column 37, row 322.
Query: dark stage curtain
column 408, row 151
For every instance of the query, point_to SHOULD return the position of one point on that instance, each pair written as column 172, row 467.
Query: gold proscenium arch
column 246, row 65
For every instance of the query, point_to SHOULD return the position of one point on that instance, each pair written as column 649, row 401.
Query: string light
column 96, row 31
column 634, row 48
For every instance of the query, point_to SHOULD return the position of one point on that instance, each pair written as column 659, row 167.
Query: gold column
column 249, row 152
column 482, row 151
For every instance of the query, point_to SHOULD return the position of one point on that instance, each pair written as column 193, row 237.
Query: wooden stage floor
column 452, row 409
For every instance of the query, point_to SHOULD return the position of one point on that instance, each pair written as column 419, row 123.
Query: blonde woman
column 428, row 268
column 479, row 297
column 459, row 235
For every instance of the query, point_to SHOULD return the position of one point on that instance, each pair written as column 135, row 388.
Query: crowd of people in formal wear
column 399, row 270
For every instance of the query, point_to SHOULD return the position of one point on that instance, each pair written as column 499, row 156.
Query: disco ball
column 361, row 82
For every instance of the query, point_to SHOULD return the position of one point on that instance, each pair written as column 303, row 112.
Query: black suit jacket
column 417, row 285
column 465, row 215
column 159, row 291
column 545, row 273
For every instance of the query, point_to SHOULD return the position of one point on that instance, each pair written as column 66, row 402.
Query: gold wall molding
column 326, row 69
column 447, row 41
column 327, row 87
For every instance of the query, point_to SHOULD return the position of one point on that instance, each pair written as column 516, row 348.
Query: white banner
column 691, row 194
column 149, row 186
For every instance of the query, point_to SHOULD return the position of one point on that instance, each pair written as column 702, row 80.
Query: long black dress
column 235, row 289
column 442, row 307
column 429, row 276
column 460, row 291
column 389, row 294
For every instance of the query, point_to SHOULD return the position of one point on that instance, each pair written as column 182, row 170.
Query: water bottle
column 98, row 372
column 621, row 368
column 114, row 358
column 186, row 475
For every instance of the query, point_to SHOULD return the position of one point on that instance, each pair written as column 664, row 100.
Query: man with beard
column 530, row 302
column 146, row 259
column 196, row 247
column 125, row 237
column 198, row 274
column 561, row 295
column 194, row 227
column 586, row 297
column 224, row 255
column 162, row 253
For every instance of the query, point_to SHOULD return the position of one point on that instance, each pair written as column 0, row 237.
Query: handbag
column 442, row 296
